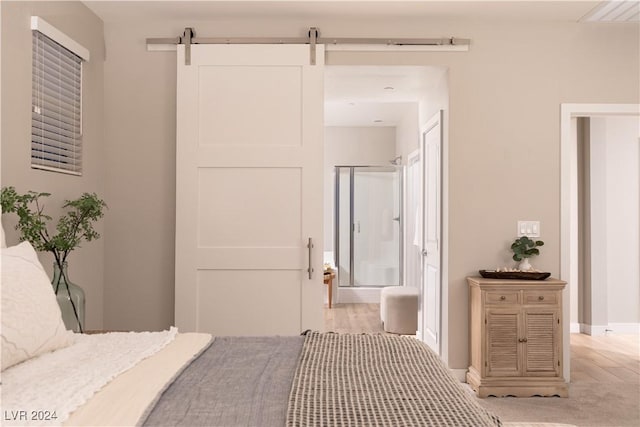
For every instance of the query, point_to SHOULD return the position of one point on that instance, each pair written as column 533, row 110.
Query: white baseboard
column 574, row 328
column 615, row 328
column 593, row 330
column 358, row 295
column 625, row 328
column 460, row 374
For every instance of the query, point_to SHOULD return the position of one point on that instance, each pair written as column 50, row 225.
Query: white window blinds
column 56, row 116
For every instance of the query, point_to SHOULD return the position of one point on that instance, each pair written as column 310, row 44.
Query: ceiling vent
column 614, row 11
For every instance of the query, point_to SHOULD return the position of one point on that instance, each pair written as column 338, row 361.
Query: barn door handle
column 310, row 247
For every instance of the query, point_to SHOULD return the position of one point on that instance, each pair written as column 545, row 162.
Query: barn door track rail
column 313, row 38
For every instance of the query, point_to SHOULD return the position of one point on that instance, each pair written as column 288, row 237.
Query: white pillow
column 31, row 319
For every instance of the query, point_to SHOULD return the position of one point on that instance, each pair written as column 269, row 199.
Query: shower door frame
column 336, row 225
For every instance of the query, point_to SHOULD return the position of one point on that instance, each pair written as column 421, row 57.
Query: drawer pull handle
column 522, row 340
column 541, row 298
column 502, row 298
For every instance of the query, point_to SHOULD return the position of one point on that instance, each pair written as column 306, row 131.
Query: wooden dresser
column 516, row 337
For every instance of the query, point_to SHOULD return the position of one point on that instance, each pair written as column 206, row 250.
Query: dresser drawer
column 502, row 297
column 541, row 297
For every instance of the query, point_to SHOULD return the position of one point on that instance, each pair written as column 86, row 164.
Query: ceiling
column 356, row 96
column 118, row 11
column 375, row 95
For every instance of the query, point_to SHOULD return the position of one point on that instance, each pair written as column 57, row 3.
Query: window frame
column 80, row 55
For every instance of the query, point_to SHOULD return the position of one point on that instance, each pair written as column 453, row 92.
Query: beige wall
column 609, row 211
column 597, row 189
column 582, row 216
column 619, row 139
column 503, row 125
column 140, row 130
column 408, row 134
column 623, row 219
column 75, row 20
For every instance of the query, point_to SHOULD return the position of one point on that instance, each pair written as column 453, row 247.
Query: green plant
column 524, row 247
column 72, row 227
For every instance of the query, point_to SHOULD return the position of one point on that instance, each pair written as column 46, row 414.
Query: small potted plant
column 71, row 229
column 524, row 248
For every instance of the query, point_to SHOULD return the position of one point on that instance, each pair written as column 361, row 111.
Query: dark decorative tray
column 521, row 275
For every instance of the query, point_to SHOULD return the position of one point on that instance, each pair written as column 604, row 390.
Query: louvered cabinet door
column 502, row 333
column 541, row 350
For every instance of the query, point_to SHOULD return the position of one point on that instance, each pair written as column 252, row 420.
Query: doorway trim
column 567, row 251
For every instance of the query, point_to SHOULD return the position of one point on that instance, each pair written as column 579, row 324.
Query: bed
column 53, row 377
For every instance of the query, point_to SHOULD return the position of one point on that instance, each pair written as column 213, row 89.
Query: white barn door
column 431, row 150
column 249, row 189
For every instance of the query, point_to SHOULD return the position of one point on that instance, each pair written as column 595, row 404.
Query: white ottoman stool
column 399, row 309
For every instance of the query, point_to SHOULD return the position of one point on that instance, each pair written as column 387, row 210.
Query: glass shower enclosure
column 368, row 226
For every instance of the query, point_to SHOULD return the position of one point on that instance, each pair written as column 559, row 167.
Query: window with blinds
column 56, row 115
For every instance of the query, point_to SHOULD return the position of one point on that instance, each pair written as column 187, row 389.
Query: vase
column 70, row 299
column 524, row 265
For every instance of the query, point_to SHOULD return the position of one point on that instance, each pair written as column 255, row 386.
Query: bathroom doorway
column 373, row 117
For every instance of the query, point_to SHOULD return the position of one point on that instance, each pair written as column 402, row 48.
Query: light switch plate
column 529, row 228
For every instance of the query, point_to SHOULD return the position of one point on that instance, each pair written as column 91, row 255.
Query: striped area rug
column 377, row 380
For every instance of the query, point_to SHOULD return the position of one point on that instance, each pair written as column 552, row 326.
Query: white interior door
column 249, row 189
column 431, row 149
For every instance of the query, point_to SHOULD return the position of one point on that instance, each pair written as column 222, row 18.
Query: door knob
column 425, row 252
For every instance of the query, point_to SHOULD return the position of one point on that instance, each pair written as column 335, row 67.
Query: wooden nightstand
column 516, row 337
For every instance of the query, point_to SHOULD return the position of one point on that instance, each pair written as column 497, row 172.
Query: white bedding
column 124, row 400
column 47, row 389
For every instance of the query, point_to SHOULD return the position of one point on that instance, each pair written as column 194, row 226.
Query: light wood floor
column 602, row 359
column 355, row 318
column 605, row 359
